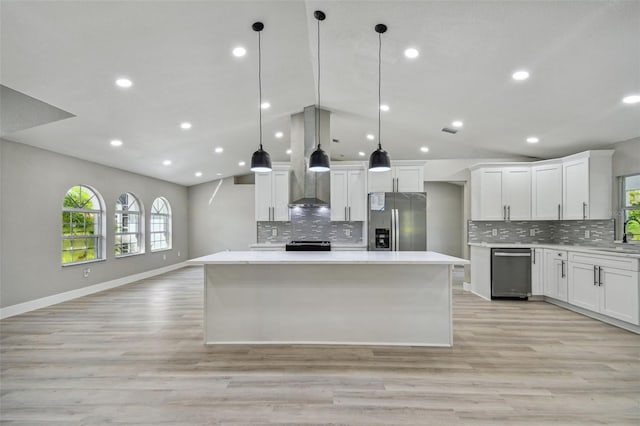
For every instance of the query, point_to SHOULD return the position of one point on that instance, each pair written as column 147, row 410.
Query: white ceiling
column 584, row 56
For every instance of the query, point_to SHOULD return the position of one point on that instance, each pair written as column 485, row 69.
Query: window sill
column 121, row 256
column 161, row 250
column 64, row 265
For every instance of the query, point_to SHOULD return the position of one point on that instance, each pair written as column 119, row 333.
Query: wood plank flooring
column 134, row 355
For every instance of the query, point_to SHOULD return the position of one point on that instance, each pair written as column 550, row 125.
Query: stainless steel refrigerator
column 397, row 221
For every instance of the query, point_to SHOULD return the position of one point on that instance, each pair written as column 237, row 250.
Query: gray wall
column 32, row 187
column 224, row 222
column 626, row 158
column 445, row 212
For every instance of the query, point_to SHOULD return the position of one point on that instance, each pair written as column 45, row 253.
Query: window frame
column 99, row 227
column 139, row 234
column 168, row 218
column 622, row 207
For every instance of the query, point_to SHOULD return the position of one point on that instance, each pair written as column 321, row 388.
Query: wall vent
column 449, row 130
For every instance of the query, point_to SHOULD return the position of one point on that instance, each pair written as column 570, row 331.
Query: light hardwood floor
column 135, row 355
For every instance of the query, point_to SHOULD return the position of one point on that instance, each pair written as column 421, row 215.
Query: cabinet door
column 280, row 195
column 357, row 195
column 516, row 187
column 490, row 200
column 619, row 294
column 409, row 178
column 339, row 199
column 562, row 269
column 263, row 196
column 550, row 274
column 583, row 287
column 381, row 181
column 546, row 187
column 575, row 183
column 537, row 272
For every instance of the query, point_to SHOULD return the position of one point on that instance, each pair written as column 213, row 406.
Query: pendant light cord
column 260, row 86
column 379, row 86
column 318, row 109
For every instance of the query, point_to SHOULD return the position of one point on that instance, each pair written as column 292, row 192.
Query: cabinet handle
column 349, row 210
column 595, row 275
column 599, row 275
column 584, row 210
column 559, row 210
column 533, row 259
column 504, row 212
column 508, row 212
column 562, row 269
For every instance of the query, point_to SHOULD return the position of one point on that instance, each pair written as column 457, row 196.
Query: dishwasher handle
column 503, row 254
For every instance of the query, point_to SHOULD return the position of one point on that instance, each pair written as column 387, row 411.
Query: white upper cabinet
column 272, row 194
column 576, row 187
column 501, row 193
column 348, row 193
column 546, row 191
column 404, row 176
column 587, row 181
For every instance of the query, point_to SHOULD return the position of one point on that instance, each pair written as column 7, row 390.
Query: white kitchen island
column 334, row 297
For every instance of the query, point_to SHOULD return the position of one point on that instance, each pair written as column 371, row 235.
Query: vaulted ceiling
column 583, row 58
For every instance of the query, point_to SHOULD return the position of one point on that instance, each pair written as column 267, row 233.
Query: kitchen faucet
column 624, row 229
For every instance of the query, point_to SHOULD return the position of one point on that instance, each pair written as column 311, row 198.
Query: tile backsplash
column 310, row 223
column 570, row 232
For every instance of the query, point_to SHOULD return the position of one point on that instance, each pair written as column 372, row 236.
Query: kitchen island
column 334, row 297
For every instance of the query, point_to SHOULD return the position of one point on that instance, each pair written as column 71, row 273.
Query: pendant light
column 260, row 160
column 319, row 160
column 379, row 160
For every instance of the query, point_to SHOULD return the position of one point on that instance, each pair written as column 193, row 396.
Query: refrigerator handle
column 397, row 231
column 393, row 230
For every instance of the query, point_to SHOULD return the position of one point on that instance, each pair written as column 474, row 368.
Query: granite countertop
column 328, row 257
column 632, row 252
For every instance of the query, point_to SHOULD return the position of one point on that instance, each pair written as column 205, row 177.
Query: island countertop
column 328, row 257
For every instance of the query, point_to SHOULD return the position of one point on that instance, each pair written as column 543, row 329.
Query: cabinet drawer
column 624, row 263
column 556, row 254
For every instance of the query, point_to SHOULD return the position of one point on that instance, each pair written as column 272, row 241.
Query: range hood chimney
column 309, row 189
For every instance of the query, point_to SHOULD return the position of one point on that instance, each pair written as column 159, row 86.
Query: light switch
column 274, row 232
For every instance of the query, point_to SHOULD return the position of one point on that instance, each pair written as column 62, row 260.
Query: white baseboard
column 43, row 302
column 481, row 296
column 612, row 321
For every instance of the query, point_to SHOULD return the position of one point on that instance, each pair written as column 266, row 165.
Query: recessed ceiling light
column 265, row 105
column 361, row 154
column 288, row 151
column 239, row 52
column 198, row 174
column 457, row 123
column 167, row 162
column 411, row 53
column 384, row 107
column 424, row 149
column 124, row 82
column 185, row 126
column 631, row 99
column 242, row 163
column 520, row 75
column 370, row 137
column 218, row 174
column 116, row 142
column 279, row 135
column 219, row 149
column 533, row 139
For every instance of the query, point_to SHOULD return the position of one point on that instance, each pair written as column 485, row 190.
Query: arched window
column 82, row 225
column 129, row 226
column 160, row 224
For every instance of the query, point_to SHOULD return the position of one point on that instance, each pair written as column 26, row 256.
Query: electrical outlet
column 86, row 272
column 178, row 253
column 274, row 232
column 164, row 257
column 494, row 232
column 347, row 232
column 587, row 234
column 532, row 232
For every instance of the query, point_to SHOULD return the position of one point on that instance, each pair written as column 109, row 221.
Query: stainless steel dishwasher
column 510, row 273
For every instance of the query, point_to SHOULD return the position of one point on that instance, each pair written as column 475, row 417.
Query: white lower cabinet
column 555, row 274
column 537, row 272
column 606, row 285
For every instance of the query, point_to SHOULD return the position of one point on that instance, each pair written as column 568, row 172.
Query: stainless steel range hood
column 309, row 189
